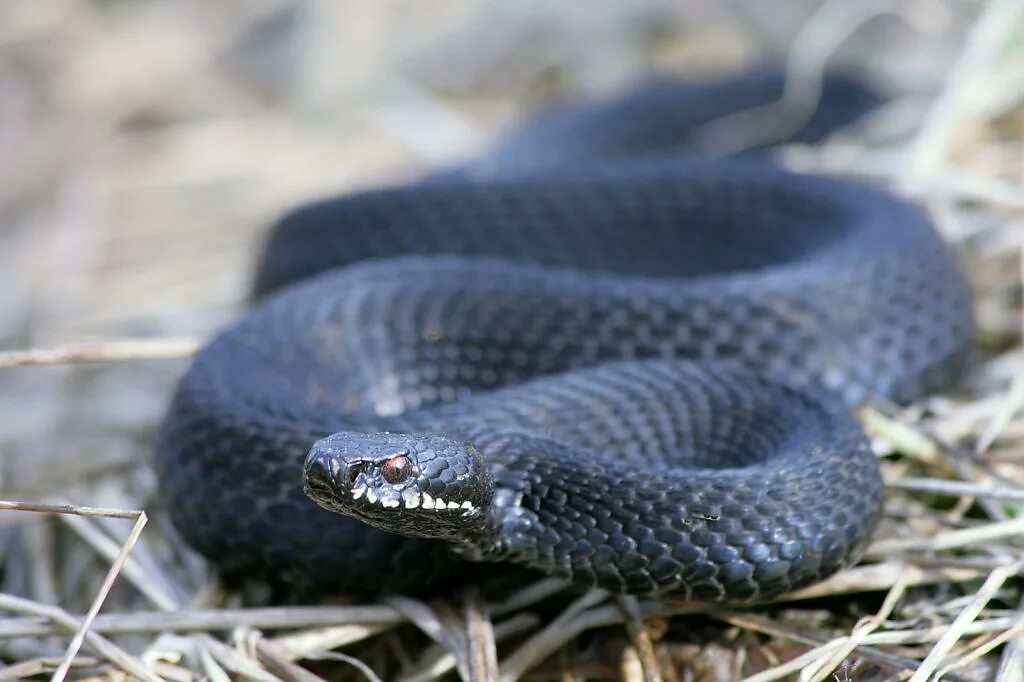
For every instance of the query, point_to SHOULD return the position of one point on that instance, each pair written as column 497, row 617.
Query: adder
column 590, row 352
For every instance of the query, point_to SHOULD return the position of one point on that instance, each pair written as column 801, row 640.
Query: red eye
column 396, row 469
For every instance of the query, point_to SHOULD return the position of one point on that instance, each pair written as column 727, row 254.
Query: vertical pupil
column 396, row 469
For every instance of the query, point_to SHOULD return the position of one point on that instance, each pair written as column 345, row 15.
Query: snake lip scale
column 588, row 353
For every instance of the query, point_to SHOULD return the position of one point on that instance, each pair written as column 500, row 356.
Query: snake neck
column 620, row 527
column 517, row 525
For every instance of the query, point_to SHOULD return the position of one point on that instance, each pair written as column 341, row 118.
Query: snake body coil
column 634, row 373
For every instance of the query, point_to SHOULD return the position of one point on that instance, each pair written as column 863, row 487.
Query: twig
column 641, row 638
column 37, row 666
column 214, row 671
column 957, row 488
column 147, row 584
column 364, row 669
column 992, row 644
column 103, row 646
column 82, row 628
column 101, row 595
column 437, row 661
column 560, row 630
column 1011, row 662
column 821, row 668
column 832, row 24
column 950, row 539
column 279, row 663
column 994, row 581
column 110, row 351
column 307, row 642
column 799, row 663
column 483, row 652
column 878, row 577
column 221, row 619
column 529, row 595
column 68, row 509
column 234, row 660
column 441, row 625
column 988, row 35
column 760, row 624
column 1005, row 409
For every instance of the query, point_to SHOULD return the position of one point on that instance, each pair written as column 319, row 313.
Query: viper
column 590, row 352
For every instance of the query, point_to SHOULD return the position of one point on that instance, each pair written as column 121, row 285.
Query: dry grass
column 145, row 146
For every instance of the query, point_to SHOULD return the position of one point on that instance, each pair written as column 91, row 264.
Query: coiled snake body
column 629, row 368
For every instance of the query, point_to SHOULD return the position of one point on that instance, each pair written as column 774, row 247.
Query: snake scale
column 589, row 353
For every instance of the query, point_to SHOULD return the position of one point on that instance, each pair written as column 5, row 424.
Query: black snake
column 587, row 353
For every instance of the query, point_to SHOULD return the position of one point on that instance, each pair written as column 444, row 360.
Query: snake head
column 420, row 485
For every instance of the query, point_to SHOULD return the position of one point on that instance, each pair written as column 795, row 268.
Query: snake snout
column 319, row 475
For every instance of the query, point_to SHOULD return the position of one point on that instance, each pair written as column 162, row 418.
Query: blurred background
column 147, row 145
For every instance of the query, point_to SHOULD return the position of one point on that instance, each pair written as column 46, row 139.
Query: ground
column 146, row 146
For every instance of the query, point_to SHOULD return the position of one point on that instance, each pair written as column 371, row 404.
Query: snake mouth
column 340, row 486
column 316, row 489
column 411, row 499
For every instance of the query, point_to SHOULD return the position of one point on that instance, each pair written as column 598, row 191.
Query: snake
column 592, row 352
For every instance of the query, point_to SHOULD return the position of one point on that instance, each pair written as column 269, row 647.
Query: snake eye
column 396, row 469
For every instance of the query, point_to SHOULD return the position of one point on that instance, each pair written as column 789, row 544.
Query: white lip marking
column 428, row 501
column 411, row 499
column 467, row 505
column 372, row 496
column 440, row 504
column 453, row 505
column 358, row 492
column 391, row 502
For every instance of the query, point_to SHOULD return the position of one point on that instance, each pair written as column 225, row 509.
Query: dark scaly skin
column 660, row 116
column 777, row 490
column 677, row 476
